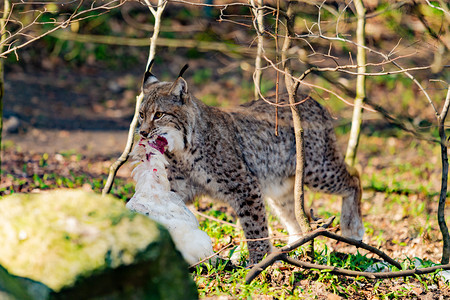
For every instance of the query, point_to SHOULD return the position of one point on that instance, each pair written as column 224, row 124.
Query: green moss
column 67, row 239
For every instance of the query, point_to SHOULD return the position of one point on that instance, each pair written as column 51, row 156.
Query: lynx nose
column 143, row 133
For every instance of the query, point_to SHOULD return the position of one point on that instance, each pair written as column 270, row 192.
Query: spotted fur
column 234, row 156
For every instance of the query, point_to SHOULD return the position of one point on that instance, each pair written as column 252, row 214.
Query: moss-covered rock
column 78, row 245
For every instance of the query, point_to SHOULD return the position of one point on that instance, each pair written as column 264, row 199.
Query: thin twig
column 446, row 12
column 416, row 82
column 314, row 86
column 124, row 156
column 213, row 255
column 76, row 16
column 214, row 219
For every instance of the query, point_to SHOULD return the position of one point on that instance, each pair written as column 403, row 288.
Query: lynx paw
column 353, row 229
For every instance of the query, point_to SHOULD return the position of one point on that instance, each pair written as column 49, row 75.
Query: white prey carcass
column 154, row 199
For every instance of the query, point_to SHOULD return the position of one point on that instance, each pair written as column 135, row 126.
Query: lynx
column 234, row 156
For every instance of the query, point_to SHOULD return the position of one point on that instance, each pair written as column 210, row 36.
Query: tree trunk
column 259, row 26
column 353, row 141
column 299, row 195
column 3, row 20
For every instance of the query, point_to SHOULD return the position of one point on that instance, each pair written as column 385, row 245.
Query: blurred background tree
column 73, row 69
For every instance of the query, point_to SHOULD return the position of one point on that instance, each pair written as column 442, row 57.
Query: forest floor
column 69, row 134
column 66, row 121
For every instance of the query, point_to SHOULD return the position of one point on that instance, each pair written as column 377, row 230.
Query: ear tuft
column 149, row 78
column 179, row 86
column 186, row 66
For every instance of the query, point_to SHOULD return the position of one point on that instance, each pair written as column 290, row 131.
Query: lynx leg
column 281, row 201
column 351, row 218
column 343, row 181
column 252, row 216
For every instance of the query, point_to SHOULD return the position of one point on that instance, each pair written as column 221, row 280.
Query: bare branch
column 315, row 86
column 445, row 11
column 446, row 106
column 281, row 253
column 444, row 179
column 370, row 275
column 76, row 16
column 150, row 7
column 344, row 69
column 339, row 17
column 385, row 56
column 130, row 140
column 3, row 21
column 299, row 192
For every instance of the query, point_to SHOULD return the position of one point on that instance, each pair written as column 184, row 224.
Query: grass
column 286, row 282
column 401, row 181
column 401, row 184
column 399, row 207
column 400, row 176
column 407, row 188
column 122, row 188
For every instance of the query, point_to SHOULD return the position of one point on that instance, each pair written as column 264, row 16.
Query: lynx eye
column 141, row 115
column 158, row 115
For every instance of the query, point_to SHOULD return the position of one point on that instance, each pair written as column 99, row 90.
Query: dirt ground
column 62, row 111
column 66, row 121
column 78, row 123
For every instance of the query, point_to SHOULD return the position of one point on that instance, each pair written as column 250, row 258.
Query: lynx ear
column 179, row 87
column 149, row 78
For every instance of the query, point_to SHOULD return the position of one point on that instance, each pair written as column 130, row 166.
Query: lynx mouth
column 160, row 143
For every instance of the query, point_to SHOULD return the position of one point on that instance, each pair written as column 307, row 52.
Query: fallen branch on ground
column 282, row 255
column 370, row 275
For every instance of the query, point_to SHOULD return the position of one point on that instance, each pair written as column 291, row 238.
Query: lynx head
column 166, row 111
